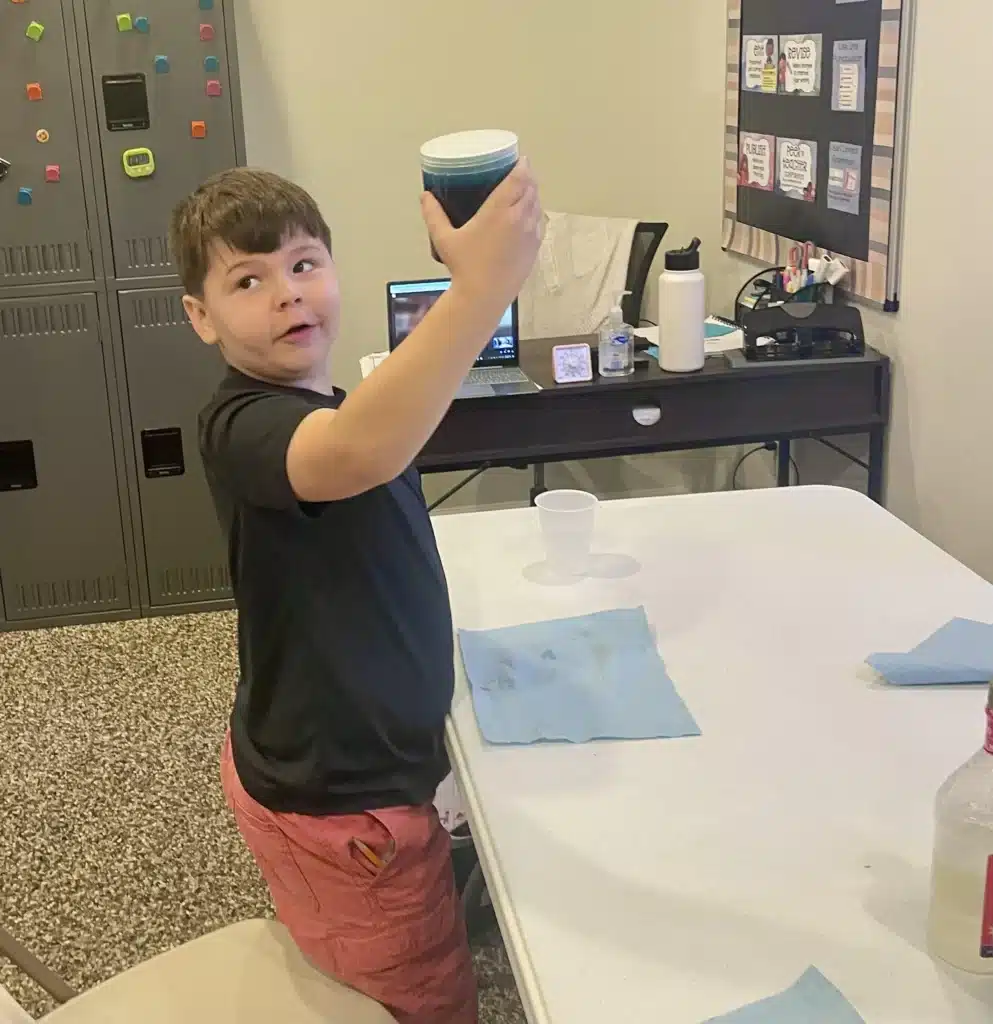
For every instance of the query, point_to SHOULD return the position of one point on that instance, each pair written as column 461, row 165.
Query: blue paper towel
column 593, row 677
column 812, row 1000
column 960, row 652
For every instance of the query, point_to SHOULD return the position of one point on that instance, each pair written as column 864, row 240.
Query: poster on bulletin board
column 816, row 131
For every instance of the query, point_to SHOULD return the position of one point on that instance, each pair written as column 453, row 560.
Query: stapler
column 803, row 330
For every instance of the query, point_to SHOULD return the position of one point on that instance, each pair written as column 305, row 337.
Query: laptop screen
column 409, row 301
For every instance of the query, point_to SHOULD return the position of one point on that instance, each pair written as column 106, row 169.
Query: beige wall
column 620, row 107
column 343, row 102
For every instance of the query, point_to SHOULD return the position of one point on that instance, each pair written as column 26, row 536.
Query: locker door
column 61, row 533
column 155, row 78
column 171, row 376
column 43, row 236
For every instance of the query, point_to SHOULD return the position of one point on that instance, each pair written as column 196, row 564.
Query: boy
column 336, row 742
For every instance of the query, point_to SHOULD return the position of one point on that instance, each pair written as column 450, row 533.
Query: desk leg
column 877, row 463
column 783, row 464
column 539, row 483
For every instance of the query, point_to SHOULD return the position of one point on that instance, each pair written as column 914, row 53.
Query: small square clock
column 573, row 364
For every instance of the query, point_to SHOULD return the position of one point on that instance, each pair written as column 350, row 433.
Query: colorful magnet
column 214, row 88
column 198, row 129
column 206, row 33
column 212, row 64
column 42, row 135
column 35, row 31
column 53, row 174
column 25, row 195
column 124, row 23
column 142, row 24
column 18, row 1
column 206, row 5
column 34, row 91
column 162, row 65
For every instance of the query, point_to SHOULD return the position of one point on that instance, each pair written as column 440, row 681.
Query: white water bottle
column 682, row 311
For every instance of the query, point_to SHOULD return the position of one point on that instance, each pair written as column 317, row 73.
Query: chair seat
column 248, row 973
column 10, row 1012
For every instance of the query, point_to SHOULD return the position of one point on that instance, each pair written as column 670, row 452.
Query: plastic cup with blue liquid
column 461, row 170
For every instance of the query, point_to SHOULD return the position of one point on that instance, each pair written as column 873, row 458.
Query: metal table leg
column 539, row 483
column 877, row 463
column 783, row 464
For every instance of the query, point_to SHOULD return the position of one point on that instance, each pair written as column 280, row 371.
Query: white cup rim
column 481, row 144
column 584, row 500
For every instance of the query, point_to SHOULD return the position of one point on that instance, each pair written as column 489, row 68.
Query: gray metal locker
column 165, row 96
column 62, row 550
column 171, row 376
column 43, row 229
column 109, row 116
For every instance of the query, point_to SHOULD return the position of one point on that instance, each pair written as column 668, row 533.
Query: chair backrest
column 647, row 239
column 584, row 262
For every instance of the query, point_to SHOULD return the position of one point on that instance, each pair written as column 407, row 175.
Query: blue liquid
column 461, row 194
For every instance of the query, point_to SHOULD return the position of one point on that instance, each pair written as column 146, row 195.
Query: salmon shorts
column 369, row 898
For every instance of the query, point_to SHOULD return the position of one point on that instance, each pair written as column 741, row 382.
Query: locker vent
column 65, row 595
column 197, row 581
column 40, row 262
column 34, row 319
column 158, row 311
column 148, row 253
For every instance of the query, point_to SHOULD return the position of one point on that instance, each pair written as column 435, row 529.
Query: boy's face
column 273, row 315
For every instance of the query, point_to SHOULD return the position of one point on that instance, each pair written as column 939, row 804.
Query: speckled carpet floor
column 115, row 843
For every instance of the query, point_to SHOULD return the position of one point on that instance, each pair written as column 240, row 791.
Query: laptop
column 496, row 372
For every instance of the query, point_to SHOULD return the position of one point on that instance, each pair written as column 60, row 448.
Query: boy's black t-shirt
column 344, row 625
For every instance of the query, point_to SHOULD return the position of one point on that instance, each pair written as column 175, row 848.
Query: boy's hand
column 494, row 253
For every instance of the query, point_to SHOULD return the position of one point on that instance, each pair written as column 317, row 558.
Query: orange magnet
column 35, row 91
column 198, row 129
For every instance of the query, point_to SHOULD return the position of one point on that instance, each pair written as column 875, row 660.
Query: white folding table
column 675, row 880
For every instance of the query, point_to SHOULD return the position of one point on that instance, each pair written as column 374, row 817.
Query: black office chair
column 647, row 239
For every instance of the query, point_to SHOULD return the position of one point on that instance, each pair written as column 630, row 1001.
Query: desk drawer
column 687, row 413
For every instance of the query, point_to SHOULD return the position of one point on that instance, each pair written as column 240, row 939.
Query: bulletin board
column 816, row 128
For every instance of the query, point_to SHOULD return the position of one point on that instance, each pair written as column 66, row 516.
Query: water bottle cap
column 684, row 259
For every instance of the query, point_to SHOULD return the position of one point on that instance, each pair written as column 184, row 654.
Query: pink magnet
column 53, row 173
column 214, row 87
column 206, row 33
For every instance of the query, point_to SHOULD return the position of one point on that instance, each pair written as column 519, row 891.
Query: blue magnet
column 25, row 196
column 206, row 5
column 162, row 65
column 212, row 63
column 142, row 24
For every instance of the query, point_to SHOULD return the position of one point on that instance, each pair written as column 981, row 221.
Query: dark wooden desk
column 721, row 405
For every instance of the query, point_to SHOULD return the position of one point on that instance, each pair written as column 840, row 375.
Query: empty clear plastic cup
column 567, row 520
column 461, row 170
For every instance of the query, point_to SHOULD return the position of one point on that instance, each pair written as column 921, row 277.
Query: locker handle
column 18, row 471
column 162, row 452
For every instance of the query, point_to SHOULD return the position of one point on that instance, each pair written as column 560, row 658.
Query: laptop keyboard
column 481, row 376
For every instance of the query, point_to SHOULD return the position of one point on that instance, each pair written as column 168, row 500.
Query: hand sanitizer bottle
column 616, row 355
column 960, row 923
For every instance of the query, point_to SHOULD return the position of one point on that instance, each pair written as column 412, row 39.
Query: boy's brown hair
column 250, row 210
